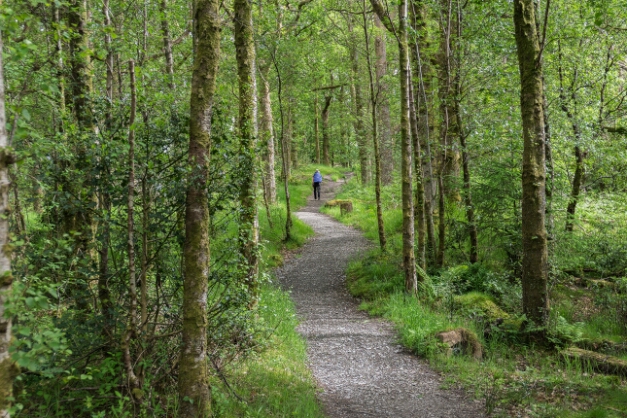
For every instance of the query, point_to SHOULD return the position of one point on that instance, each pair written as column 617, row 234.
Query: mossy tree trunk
column 7, row 367
column 77, row 215
column 409, row 259
column 267, row 137
column 167, row 43
column 248, row 222
column 375, row 134
column 386, row 140
column 193, row 386
column 422, row 73
column 535, row 254
column 104, row 194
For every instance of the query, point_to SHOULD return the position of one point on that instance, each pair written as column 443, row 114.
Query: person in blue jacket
column 317, row 179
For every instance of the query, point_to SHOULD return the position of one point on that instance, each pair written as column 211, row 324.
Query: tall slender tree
column 386, row 140
column 194, row 393
column 535, row 254
column 375, row 133
column 248, row 222
column 267, row 136
column 409, row 259
column 7, row 367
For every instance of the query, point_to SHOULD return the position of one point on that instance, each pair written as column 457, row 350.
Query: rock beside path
column 358, row 365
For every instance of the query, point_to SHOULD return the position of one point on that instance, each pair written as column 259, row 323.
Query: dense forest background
column 103, row 98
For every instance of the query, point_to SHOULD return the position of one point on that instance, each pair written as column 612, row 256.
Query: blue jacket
column 317, row 177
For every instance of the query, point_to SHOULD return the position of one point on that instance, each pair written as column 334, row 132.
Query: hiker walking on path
column 317, row 179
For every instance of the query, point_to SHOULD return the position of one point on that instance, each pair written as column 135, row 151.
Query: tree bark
column 8, row 369
column 317, row 130
column 292, row 136
column 574, row 193
column 326, row 142
column 422, row 77
column 78, row 216
column 248, row 222
column 579, row 155
column 383, row 106
column 167, row 43
column 193, row 387
column 419, row 201
column 409, row 260
column 131, row 331
column 535, row 254
column 375, row 136
column 449, row 163
column 358, row 121
column 457, row 95
column 267, row 137
column 104, row 295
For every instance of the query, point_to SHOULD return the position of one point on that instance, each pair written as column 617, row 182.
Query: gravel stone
column 356, row 359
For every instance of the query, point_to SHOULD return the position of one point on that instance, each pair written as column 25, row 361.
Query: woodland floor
column 360, row 368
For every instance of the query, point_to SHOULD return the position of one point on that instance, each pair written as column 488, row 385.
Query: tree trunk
column 422, row 76
column 439, row 260
column 317, row 130
column 375, row 137
column 534, row 263
column 8, row 369
column 267, row 138
column 292, row 136
column 104, row 295
column 131, row 331
column 579, row 155
column 167, row 43
column 78, row 215
column 383, row 107
column 288, row 209
column 574, row 194
column 193, row 388
column 419, row 202
column 409, row 260
column 326, row 145
column 449, row 164
column 457, row 95
column 357, row 99
column 248, row 222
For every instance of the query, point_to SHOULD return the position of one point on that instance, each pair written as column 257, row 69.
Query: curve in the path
column 360, row 368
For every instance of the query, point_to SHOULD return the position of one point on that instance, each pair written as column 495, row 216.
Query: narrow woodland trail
column 361, row 370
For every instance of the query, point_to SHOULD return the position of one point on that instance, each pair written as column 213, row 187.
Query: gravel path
column 360, row 368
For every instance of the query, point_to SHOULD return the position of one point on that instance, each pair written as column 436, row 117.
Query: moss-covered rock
column 480, row 304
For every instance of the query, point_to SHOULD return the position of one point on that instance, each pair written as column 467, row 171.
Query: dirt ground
column 361, row 369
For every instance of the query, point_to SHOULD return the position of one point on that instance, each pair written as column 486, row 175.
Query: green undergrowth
column 515, row 377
